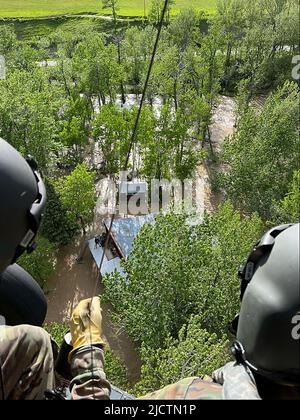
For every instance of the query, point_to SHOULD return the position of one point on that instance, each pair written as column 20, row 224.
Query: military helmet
column 23, row 197
column 268, row 330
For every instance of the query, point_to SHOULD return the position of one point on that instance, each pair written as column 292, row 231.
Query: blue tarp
column 124, row 231
column 108, row 266
column 97, row 252
column 112, row 265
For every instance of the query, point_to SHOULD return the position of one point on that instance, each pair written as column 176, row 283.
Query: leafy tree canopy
column 263, row 154
column 195, row 353
column 176, row 270
column 41, row 263
column 78, row 194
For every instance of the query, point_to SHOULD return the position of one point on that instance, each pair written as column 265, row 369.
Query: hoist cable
column 135, row 129
column 132, row 141
column 134, row 133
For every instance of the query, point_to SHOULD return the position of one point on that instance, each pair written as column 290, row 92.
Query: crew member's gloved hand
column 238, row 382
column 86, row 325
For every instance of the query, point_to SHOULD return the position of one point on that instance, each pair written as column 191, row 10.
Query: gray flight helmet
column 23, row 198
column 267, row 338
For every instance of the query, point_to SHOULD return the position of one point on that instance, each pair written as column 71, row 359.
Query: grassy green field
column 31, row 28
column 40, row 8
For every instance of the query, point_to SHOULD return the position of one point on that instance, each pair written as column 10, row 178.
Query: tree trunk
column 99, row 100
column 208, row 136
column 228, row 56
column 123, row 97
column 65, row 81
column 175, row 95
column 82, row 225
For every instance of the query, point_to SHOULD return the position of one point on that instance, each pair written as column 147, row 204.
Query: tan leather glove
column 86, row 325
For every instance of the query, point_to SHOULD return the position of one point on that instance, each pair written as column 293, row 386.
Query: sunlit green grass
column 40, row 8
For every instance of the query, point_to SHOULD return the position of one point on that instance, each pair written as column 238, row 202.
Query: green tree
column 136, row 49
column 116, row 371
column 112, row 129
column 291, row 203
column 167, row 147
column 41, row 263
column 288, row 209
column 195, row 353
column 97, row 68
column 78, row 195
column 8, row 39
column 184, row 29
column 56, row 226
column 23, row 57
column 29, row 114
column 176, row 270
column 165, row 78
column 57, row 331
column 113, row 5
column 231, row 21
column 256, row 35
column 76, row 128
column 263, row 155
column 156, row 9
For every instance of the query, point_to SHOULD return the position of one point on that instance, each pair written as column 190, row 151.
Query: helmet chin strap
column 286, row 379
column 239, row 353
column 27, row 244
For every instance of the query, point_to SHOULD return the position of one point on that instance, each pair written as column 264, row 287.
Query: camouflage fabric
column 26, row 361
column 238, row 382
column 89, row 378
column 188, row 389
column 232, row 381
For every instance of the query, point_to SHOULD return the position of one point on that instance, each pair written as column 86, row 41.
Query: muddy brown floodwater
column 223, row 121
column 74, row 282
column 222, row 126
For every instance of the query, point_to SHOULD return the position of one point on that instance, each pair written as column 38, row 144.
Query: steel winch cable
column 132, row 142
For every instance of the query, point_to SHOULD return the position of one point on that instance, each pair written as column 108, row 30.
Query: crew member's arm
column 26, row 363
column 87, row 357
